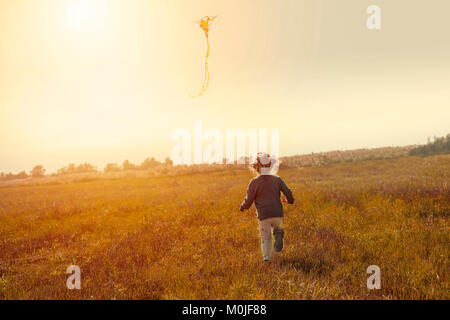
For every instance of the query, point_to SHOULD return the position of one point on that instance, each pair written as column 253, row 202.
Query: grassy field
column 184, row 238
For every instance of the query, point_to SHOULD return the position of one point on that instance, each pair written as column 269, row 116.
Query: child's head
column 264, row 164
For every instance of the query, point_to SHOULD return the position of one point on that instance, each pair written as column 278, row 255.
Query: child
column 265, row 191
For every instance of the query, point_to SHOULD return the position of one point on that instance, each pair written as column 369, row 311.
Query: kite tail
column 206, row 79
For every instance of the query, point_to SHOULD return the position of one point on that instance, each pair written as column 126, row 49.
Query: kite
column 204, row 24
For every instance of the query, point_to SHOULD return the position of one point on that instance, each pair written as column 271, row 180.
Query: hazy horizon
column 138, row 162
column 115, row 86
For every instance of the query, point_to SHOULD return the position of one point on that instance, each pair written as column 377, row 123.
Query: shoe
column 266, row 260
column 279, row 234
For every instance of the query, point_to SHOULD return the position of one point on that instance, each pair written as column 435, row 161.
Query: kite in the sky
column 205, row 23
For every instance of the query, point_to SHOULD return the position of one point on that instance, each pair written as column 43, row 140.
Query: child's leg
column 278, row 232
column 276, row 222
column 265, row 229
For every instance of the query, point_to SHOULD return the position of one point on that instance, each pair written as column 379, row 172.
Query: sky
column 102, row 81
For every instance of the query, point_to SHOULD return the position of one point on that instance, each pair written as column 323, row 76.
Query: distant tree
column 112, row 167
column 62, row 170
column 126, row 165
column 168, row 162
column 85, row 167
column 22, row 175
column 71, row 168
column 149, row 163
column 38, row 171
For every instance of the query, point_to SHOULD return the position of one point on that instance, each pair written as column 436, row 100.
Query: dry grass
column 184, row 237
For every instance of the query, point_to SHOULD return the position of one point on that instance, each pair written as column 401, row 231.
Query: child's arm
column 251, row 194
column 287, row 192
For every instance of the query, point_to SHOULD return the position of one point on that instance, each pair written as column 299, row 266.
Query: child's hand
column 284, row 199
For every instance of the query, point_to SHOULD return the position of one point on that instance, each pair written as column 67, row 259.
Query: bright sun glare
column 81, row 15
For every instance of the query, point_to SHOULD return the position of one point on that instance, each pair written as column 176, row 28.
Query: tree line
column 39, row 170
column 435, row 146
column 438, row 145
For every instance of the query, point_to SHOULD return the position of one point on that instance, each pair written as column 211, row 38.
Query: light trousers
column 266, row 228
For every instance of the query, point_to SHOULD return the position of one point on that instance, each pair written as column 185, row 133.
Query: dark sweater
column 265, row 191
